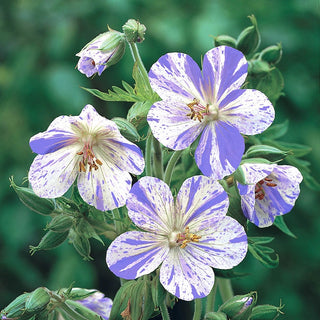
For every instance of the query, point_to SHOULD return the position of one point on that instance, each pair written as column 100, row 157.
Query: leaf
column 296, row 149
column 262, row 254
column 260, row 240
column 275, row 131
column 281, row 225
column 229, row 273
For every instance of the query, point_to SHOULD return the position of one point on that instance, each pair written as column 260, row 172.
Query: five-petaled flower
column 103, row 51
column 186, row 237
column 271, row 190
column 209, row 103
column 91, row 148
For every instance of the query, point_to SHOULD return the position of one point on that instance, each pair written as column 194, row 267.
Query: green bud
column 50, row 240
column 32, row 201
column 82, row 245
column 60, row 223
column 79, row 293
column 137, row 114
column 249, row 39
column 80, row 309
column 267, row 152
column 272, row 54
column 37, row 300
column 215, row 316
column 127, row 129
column 134, row 30
column 266, row 312
column 256, row 160
column 259, row 68
column 157, row 291
column 17, row 307
column 225, row 40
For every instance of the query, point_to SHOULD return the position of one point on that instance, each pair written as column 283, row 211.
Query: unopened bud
column 267, row 152
column 50, row 240
column 32, row 201
column 16, row 308
column 127, row 129
column 137, row 114
column 249, row 39
column 272, row 54
column 37, row 300
column 134, row 30
column 60, row 223
column 215, row 316
column 225, row 40
column 82, row 245
column 266, row 312
column 259, row 67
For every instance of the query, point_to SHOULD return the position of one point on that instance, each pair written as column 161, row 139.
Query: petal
column 170, row 124
column 176, row 77
column 254, row 172
column 150, row 205
column 87, row 66
column 135, row 253
column 220, row 150
column 248, row 110
column 247, row 193
column 52, row 174
column 224, row 70
column 183, row 276
column 106, row 188
column 221, row 246
column 200, row 202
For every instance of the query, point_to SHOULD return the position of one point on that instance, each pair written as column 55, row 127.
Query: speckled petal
column 135, row 253
column 254, row 172
column 248, row 110
column 224, row 70
column 176, row 77
column 151, row 206
column 184, row 276
column 171, row 126
column 220, row 150
column 223, row 245
column 52, row 174
column 200, row 202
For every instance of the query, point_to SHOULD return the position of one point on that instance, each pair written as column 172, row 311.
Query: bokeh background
column 38, row 82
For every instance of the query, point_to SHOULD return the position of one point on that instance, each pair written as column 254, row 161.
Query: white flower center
column 181, row 239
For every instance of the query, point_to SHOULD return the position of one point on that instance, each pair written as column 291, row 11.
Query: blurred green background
column 38, row 82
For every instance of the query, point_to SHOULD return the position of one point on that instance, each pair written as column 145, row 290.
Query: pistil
column 259, row 191
column 88, row 158
column 186, row 237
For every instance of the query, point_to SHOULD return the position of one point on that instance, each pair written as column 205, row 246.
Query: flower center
column 198, row 111
column 259, row 192
column 183, row 238
column 88, row 158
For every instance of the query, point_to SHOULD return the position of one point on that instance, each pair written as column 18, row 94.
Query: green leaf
column 260, row 240
column 229, row 273
column 281, row 225
column 275, row 131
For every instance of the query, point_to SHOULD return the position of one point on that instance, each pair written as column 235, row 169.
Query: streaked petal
column 254, row 172
column 135, row 253
column 151, row 206
column 247, row 193
column 176, row 77
column 106, row 188
column 52, row 174
column 224, row 70
column 248, row 110
column 183, row 276
column 200, row 202
column 220, row 150
column 171, row 126
column 223, row 245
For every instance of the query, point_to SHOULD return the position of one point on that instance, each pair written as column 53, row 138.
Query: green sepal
column 266, row 312
column 281, row 225
column 137, row 114
column 258, row 68
column 49, row 241
column 37, row 300
column 134, row 30
column 272, row 54
column 215, row 316
column 81, row 243
column 79, row 293
column 85, row 312
column 297, row 150
column 127, row 129
column 60, row 223
column 267, row 152
column 225, row 40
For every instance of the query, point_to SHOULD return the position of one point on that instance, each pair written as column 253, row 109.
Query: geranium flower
column 103, row 51
column 187, row 236
column 91, row 148
column 209, row 103
column 271, row 191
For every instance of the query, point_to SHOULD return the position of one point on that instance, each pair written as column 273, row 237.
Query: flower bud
column 102, row 52
column 80, row 293
column 267, row 152
column 16, row 308
column 215, row 316
column 32, row 201
column 225, row 40
column 37, row 300
column 134, row 30
column 259, row 67
column 127, row 129
column 239, row 307
column 266, row 312
column 272, row 54
column 137, row 114
column 249, row 39
column 60, row 223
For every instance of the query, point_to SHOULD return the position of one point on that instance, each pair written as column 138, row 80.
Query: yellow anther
column 186, row 237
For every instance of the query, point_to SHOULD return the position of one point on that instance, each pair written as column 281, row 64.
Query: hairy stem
column 164, row 311
column 225, row 288
column 170, row 166
column 197, row 309
column 157, row 159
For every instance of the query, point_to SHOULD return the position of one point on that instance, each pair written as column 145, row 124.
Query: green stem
column 148, row 156
column 117, row 220
column 197, row 309
column 225, row 288
column 211, row 298
column 170, row 166
column 70, row 312
column 157, row 159
column 164, row 310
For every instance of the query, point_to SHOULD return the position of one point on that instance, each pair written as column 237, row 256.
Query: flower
column 271, row 191
column 208, row 103
column 102, row 52
column 98, row 303
column 187, row 236
column 91, row 148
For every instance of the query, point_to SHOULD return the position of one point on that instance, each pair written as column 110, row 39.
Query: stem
column 225, row 288
column 148, row 155
column 164, row 310
column 117, row 220
column 170, row 166
column 70, row 312
column 197, row 309
column 211, row 298
column 157, row 159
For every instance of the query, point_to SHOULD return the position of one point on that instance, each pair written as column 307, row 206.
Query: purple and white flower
column 209, row 103
column 88, row 147
column 186, row 236
column 98, row 303
column 271, row 190
column 103, row 51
